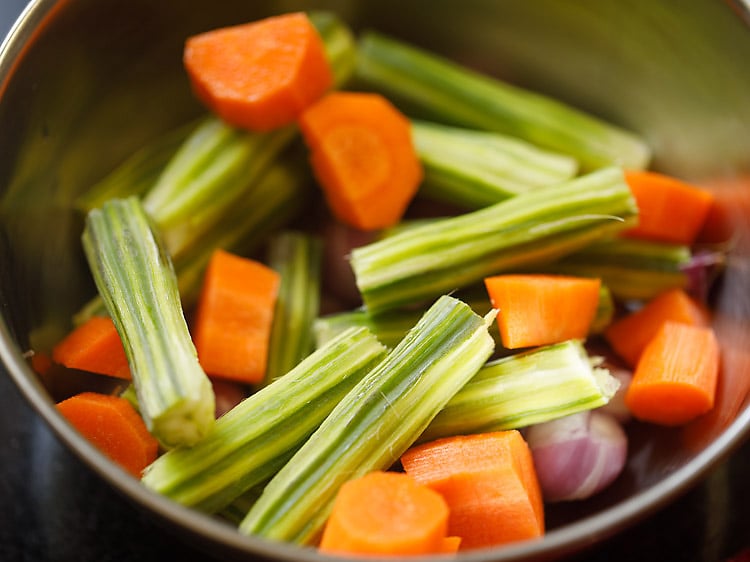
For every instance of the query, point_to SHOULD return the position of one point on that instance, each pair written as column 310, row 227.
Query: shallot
column 577, row 456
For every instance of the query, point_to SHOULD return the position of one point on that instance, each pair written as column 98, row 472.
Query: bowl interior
column 83, row 83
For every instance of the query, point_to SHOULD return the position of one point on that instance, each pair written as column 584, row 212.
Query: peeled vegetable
column 577, row 456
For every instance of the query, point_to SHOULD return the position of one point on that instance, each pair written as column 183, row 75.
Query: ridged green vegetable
column 442, row 90
column 252, row 441
column 278, row 197
column 376, row 422
column 297, row 257
column 547, row 223
column 138, row 172
column 524, row 389
column 632, row 269
column 214, row 167
column 134, row 275
column 475, row 169
column 339, row 42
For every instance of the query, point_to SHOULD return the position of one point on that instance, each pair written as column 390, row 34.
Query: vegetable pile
column 370, row 272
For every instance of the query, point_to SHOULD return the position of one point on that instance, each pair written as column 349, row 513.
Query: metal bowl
column 85, row 82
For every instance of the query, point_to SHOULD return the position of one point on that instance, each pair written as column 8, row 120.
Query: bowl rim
column 574, row 537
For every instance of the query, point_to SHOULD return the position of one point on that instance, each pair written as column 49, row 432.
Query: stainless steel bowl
column 85, row 82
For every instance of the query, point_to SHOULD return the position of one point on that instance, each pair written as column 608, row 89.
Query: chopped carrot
column 114, row 427
column 233, row 317
column 733, row 386
column 630, row 334
column 538, row 309
column 489, row 483
column 363, row 156
column 729, row 213
column 675, row 380
column 259, row 75
column 669, row 210
column 94, row 346
column 41, row 362
column 387, row 513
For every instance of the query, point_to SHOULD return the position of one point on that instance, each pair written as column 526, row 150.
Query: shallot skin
column 616, row 406
column 577, row 456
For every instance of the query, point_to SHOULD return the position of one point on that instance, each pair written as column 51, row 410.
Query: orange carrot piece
column 630, row 334
column 41, row 362
column 675, row 380
column 114, row 427
column 733, row 386
column 233, row 317
column 670, row 210
column 489, row 483
column 94, row 346
column 729, row 213
column 362, row 154
column 387, row 513
column 260, row 75
column 537, row 309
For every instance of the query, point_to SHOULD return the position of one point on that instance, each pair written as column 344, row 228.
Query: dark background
column 53, row 508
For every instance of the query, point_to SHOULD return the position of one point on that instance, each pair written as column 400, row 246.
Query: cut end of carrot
column 629, row 335
column 94, row 346
column 260, row 75
column 114, row 427
column 489, row 483
column 536, row 309
column 363, row 156
column 675, row 380
column 387, row 513
column 661, row 199
column 234, row 314
column 729, row 212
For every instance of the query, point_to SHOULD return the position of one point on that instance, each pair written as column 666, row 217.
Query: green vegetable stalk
column 134, row 275
column 632, row 269
column 297, row 257
column 274, row 201
column 524, row 389
column 422, row 262
column 214, row 167
column 444, row 91
column 475, row 169
column 375, row 422
column 252, row 441
column 277, row 197
column 138, row 172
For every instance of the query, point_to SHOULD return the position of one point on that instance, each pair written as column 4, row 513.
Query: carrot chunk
column 488, row 481
column 233, row 317
column 536, row 309
column 675, row 380
column 114, row 427
column 94, row 346
column 362, row 154
column 387, row 513
column 732, row 387
column 630, row 334
column 669, row 210
column 729, row 213
column 259, row 75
